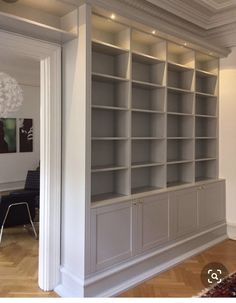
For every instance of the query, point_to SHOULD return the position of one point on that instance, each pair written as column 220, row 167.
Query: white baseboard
column 12, row 185
column 71, row 286
column 231, row 230
column 120, row 278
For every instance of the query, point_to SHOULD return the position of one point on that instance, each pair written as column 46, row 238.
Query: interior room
column 20, row 163
column 130, row 111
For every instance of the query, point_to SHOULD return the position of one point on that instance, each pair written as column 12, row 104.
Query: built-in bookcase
column 206, row 105
column 147, row 178
column 147, row 152
column 179, row 102
column 180, row 173
column 205, row 170
column 180, row 150
column 147, row 99
column 206, row 121
column 154, row 112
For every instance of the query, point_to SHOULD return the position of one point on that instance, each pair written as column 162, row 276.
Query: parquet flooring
column 19, row 269
column 184, row 279
column 19, row 265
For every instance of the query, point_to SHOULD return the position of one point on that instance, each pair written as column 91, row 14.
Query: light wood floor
column 184, row 279
column 19, row 265
column 19, row 269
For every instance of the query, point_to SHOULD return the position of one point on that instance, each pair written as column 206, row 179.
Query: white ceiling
column 207, row 14
column 218, row 5
column 212, row 5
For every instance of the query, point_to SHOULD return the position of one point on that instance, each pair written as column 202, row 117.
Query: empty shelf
column 144, row 58
column 106, row 196
column 146, row 84
column 107, row 78
column 107, row 48
column 145, row 164
column 143, row 189
column 100, row 168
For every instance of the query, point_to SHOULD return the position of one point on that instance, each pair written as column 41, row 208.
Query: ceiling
column 218, row 5
column 207, row 14
column 211, row 5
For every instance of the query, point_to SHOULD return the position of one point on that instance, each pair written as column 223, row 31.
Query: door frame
column 49, row 56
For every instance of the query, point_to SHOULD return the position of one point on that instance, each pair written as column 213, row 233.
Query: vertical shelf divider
column 154, row 112
column 129, row 46
column 194, row 119
column 165, row 111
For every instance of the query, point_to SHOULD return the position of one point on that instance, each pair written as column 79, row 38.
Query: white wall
column 228, row 136
column 14, row 167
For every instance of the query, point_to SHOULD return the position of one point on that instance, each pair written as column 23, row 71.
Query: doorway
column 49, row 57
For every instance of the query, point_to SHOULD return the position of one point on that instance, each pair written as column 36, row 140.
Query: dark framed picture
column 7, row 135
column 26, row 135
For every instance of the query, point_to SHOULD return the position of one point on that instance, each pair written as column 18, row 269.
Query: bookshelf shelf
column 154, row 113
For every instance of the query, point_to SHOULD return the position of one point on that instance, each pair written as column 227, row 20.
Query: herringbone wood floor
column 19, row 265
column 19, row 269
column 184, row 279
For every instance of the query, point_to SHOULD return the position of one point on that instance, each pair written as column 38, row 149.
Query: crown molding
column 190, row 11
column 163, row 15
column 206, row 14
column 222, row 19
column 216, row 6
column 224, row 35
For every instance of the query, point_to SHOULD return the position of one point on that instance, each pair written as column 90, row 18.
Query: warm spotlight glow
column 153, row 32
column 113, row 16
column 185, row 43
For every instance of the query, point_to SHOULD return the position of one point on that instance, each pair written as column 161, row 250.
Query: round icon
column 213, row 273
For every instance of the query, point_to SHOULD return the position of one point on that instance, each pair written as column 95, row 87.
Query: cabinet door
column 153, row 221
column 111, row 234
column 211, row 204
column 183, row 212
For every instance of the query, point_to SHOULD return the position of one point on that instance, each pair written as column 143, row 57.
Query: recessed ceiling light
column 185, row 43
column 153, row 32
column 113, row 16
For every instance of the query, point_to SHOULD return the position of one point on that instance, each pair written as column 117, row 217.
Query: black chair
column 32, row 185
column 17, row 210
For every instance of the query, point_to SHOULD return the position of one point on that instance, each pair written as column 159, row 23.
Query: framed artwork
column 7, row 135
column 26, row 135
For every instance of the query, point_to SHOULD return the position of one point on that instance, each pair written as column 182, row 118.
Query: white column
column 76, row 158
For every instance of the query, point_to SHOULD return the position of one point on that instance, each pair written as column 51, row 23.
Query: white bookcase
column 154, row 112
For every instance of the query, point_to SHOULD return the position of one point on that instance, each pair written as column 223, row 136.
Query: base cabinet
column 111, row 234
column 153, row 222
column 183, row 212
column 124, row 230
column 211, row 204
